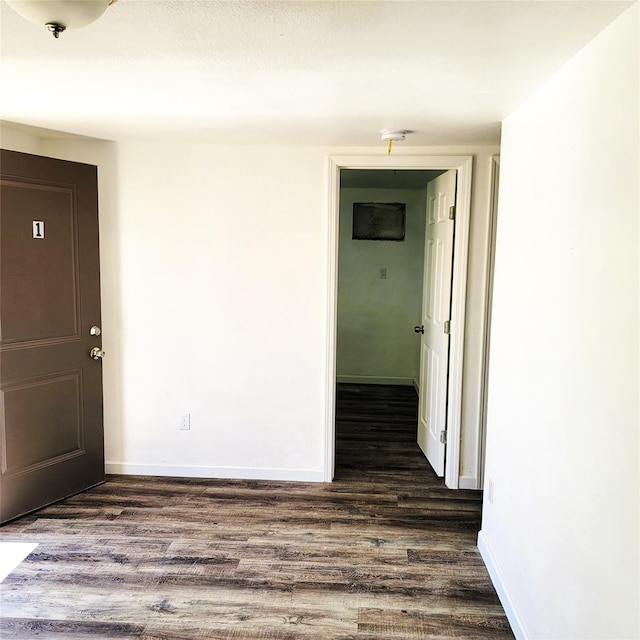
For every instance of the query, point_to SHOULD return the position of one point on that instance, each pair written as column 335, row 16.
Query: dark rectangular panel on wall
column 379, row 221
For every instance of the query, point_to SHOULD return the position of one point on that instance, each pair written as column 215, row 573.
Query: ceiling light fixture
column 392, row 135
column 59, row 15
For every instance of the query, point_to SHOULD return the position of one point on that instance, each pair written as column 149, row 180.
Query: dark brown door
column 51, row 431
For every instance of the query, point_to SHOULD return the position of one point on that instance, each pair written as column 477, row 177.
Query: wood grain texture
column 385, row 552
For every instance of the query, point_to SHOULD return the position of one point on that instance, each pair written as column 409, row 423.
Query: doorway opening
column 361, row 173
column 380, row 280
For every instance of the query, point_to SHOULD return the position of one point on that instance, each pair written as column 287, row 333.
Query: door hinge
column 452, row 212
column 443, row 436
column 447, row 327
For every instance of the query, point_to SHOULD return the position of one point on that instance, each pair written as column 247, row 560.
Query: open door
column 436, row 314
column 51, row 430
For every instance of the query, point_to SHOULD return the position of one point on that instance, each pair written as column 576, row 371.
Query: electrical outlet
column 185, row 422
column 383, row 273
column 490, row 491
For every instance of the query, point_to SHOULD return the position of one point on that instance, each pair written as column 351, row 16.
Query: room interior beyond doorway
column 463, row 166
column 380, row 282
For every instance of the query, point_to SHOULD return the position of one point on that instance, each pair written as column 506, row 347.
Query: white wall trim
column 332, row 320
column 406, row 382
column 458, row 308
column 463, row 165
column 469, row 482
column 510, row 610
column 235, row 473
column 486, row 333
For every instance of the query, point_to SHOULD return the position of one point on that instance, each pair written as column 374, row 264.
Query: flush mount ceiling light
column 391, row 136
column 59, row 15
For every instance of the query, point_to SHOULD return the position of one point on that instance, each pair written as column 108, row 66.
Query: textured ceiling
column 331, row 73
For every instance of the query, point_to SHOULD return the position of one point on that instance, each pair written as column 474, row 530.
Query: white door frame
column 491, row 257
column 463, row 165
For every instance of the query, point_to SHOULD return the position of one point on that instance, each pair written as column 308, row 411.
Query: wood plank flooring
column 385, row 552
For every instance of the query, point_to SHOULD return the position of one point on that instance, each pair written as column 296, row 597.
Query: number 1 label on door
column 38, row 229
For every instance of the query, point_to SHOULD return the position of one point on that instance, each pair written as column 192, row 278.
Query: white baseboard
column 468, row 482
column 375, row 380
column 514, row 618
column 227, row 473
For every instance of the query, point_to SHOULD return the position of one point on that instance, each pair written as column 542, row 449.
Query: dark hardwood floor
column 385, row 552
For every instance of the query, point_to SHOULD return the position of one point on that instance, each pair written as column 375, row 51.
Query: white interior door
column 436, row 309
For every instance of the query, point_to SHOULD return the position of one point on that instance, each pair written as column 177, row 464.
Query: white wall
column 16, row 140
column 376, row 342
column 223, row 256
column 561, row 537
column 214, row 295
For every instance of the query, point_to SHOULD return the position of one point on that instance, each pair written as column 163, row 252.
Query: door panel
column 36, row 405
column 436, row 307
column 52, row 297
column 51, row 431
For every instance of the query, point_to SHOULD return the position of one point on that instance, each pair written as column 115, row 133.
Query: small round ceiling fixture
column 59, row 15
column 396, row 135
column 391, row 136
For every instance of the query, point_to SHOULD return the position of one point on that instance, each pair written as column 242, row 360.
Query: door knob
column 97, row 353
column 419, row 328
